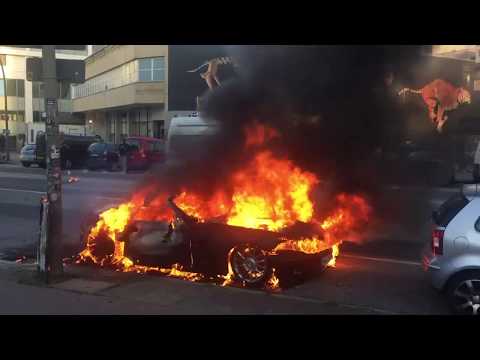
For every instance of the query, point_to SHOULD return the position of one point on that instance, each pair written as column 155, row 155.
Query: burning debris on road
column 72, row 179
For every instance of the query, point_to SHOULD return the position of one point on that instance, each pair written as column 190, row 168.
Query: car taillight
column 437, row 241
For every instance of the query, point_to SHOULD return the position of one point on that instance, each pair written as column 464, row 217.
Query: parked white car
column 27, row 155
column 452, row 256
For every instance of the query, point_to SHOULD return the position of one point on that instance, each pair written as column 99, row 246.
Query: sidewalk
column 96, row 291
column 14, row 158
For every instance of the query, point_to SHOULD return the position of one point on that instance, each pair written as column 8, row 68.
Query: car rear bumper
column 432, row 267
column 27, row 158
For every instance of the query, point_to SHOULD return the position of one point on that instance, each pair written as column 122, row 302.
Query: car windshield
column 449, row 209
column 96, row 148
column 188, row 146
column 133, row 144
column 28, row 148
column 157, row 146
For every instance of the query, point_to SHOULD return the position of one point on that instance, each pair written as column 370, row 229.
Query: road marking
column 26, row 191
column 43, row 193
column 380, row 259
column 419, row 188
column 110, row 198
column 103, row 176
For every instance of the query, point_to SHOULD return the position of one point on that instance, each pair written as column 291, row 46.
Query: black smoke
column 332, row 105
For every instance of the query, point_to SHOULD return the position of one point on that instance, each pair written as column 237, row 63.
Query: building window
column 14, row 88
column 151, row 69
column 11, row 87
column 134, row 124
column 110, row 122
column 37, row 116
column 21, row 88
column 63, row 90
column 37, row 90
column 158, row 129
column 124, row 125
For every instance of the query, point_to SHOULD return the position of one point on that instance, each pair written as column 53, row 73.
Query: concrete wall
column 15, row 69
column 15, row 127
column 116, row 55
column 13, row 103
column 137, row 93
column 63, row 105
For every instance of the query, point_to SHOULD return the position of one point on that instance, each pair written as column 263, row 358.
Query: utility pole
column 2, row 62
column 52, row 264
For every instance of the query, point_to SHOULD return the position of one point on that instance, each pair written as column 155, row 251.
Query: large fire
column 269, row 193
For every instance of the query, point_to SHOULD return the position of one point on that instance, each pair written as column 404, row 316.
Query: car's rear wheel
column 463, row 293
column 249, row 265
column 25, row 164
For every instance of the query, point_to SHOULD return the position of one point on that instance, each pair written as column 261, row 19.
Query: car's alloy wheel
column 249, row 264
column 465, row 295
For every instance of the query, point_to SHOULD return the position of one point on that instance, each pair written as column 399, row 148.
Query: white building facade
column 25, row 99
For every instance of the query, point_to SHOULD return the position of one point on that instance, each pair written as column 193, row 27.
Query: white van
column 188, row 136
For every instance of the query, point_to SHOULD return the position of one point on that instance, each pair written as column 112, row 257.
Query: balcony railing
column 125, row 74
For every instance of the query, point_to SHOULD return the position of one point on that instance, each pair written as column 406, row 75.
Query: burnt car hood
column 149, row 236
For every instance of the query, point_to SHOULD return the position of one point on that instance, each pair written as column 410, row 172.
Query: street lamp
column 2, row 62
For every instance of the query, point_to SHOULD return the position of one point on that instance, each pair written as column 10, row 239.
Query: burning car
column 259, row 221
column 248, row 256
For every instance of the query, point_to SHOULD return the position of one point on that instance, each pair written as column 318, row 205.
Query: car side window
column 134, row 145
column 97, row 148
column 477, row 225
column 158, row 146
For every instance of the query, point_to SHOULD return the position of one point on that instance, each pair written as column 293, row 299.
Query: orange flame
column 269, row 193
column 273, row 283
column 335, row 252
column 259, row 134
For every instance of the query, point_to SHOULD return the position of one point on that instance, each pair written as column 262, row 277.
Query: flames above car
column 269, row 192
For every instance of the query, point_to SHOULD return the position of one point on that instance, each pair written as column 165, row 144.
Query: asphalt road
column 383, row 273
column 20, row 192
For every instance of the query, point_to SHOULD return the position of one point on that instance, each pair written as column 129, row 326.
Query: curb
column 83, row 282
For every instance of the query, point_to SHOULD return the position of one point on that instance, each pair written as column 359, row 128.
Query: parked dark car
column 144, row 151
column 103, row 156
column 73, row 151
